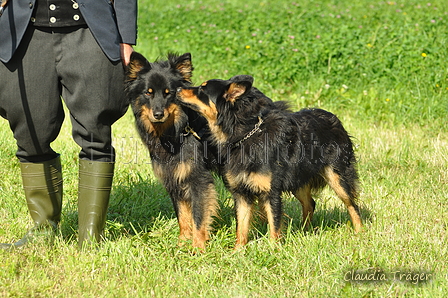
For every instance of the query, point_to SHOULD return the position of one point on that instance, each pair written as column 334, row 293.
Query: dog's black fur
column 269, row 149
column 175, row 137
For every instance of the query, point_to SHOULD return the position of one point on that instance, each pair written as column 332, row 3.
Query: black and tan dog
column 173, row 136
column 270, row 149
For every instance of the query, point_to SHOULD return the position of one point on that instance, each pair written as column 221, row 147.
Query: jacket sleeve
column 126, row 14
column 111, row 24
column 13, row 24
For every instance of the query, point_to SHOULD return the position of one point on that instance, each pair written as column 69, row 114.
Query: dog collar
column 190, row 130
column 251, row 133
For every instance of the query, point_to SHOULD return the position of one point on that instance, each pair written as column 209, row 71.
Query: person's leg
column 30, row 101
column 93, row 90
column 94, row 94
column 30, row 97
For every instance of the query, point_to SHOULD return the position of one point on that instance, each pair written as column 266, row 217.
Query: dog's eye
column 167, row 91
column 149, row 92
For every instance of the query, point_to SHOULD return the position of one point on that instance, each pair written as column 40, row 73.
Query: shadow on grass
column 138, row 208
column 133, row 209
column 324, row 218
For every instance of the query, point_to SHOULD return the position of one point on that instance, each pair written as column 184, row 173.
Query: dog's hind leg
column 346, row 192
column 303, row 194
column 243, row 210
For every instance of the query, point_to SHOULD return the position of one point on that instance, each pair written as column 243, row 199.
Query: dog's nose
column 158, row 115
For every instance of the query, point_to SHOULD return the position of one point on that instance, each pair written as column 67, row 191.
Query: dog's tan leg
column 274, row 215
column 334, row 180
column 185, row 220
column 304, row 196
column 244, row 209
column 203, row 212
column 200, row 237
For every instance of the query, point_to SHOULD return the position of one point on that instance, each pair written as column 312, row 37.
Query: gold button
column 53, row 20
column 75, row 5
column 33, row 20
column 76, row 17
column 52, row 7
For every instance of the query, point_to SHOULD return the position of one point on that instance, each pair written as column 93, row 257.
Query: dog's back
column 297, row 147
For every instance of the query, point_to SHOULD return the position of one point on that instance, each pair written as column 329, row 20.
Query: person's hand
column 126, row 51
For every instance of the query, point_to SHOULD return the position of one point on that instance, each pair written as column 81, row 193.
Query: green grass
column 394, row 103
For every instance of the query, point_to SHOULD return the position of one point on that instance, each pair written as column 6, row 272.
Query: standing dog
column 269, row 150
column 173, row 136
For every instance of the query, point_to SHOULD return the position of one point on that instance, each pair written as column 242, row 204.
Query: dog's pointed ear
column 242, row 78
column 136, row 64
column 184, row 65
column 237, row 89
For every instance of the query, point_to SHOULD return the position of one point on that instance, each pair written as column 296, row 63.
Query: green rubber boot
column 42, row 183
column 95, row 183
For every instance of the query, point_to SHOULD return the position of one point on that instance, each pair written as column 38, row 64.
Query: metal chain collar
column 251, row 133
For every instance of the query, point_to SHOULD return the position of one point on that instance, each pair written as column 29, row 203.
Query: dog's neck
column 229, row 129
column 256, row 129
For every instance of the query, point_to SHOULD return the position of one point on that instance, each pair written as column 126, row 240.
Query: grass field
column 379, row 65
